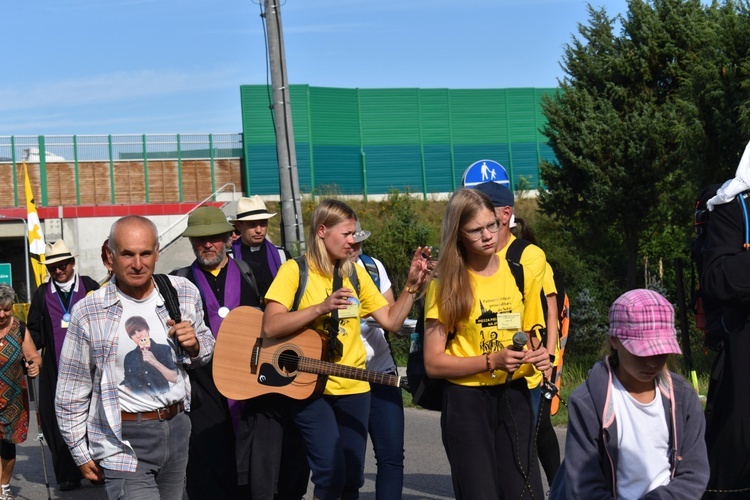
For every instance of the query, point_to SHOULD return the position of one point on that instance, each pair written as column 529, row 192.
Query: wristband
column 489, row 368
column 552, row 358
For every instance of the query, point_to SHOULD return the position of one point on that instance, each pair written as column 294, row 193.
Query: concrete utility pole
column 291, row 206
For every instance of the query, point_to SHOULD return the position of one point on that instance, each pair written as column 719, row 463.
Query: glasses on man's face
column 475, row 234
column 59, row 265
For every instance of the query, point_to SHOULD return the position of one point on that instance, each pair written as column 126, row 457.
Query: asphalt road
column 427, row 474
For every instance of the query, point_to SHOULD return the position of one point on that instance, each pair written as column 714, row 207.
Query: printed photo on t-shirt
column 146, row 366
column 149, row 367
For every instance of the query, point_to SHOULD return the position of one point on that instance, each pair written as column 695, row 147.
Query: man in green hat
column 224, row 283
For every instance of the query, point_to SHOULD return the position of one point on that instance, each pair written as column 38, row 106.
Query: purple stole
column 231, row 300
column 56, row 311
column 272, row 254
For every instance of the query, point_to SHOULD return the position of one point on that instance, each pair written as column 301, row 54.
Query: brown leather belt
column 161, row 414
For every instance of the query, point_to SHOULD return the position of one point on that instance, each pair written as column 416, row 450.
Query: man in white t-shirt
column 386, row 423
column 121, row 408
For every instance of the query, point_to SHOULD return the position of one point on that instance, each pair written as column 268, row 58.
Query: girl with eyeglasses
column 473, row 311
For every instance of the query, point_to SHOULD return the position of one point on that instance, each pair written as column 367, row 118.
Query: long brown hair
column 455, row 292
column 328, row 213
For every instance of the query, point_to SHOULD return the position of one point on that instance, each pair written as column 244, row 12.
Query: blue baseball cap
column 499, row 195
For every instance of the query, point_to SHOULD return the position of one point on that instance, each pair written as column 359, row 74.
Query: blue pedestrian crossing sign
column 485, row 171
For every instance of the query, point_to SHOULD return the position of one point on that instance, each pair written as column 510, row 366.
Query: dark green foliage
column 397, row 230
column 588, row 327
column 644, row 116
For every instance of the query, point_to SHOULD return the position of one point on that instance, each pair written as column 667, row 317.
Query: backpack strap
column 169, row 293
column 282, row 254
column 746, row 220
column 513, row 256
column 247, row 275
column 372, row 268
column 303, row 274
column 303, row 271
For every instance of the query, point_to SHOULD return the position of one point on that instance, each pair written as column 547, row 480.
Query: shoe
column 7, row 495
column 69, row 485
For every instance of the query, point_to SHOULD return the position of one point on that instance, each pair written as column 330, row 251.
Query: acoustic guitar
column 247, row 365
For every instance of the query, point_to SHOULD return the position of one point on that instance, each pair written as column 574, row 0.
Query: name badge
column 351, row 311
column 64, row 324
column 509, row 321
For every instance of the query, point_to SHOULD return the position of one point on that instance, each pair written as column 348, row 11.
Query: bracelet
column 552, row 358
column 489, row 368
column 411, row 290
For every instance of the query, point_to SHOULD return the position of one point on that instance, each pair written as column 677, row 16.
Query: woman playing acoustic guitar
column 334, row 424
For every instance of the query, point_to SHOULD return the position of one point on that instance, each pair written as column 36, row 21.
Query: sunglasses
column 59, row 265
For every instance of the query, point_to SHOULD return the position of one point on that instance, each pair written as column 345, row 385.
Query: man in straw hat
column 224, row 283
column 48, row 320
column 253, row 245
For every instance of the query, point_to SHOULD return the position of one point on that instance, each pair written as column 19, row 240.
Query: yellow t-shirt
column 549, row 281
column 318, row 288
column 493, row 295
column 534, row 264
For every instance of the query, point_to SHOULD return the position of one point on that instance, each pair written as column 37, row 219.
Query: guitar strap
column 335, row 348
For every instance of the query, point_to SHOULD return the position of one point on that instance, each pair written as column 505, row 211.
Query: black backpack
column 425, row 391
column 708, row 316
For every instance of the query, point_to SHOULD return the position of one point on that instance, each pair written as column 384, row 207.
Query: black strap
column 302, row 263
column 247, row 275
column 172, row 303
column 169, row 293
column 513, row 256
column 335, row 348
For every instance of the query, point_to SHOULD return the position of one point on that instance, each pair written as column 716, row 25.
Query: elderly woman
column 16, row 351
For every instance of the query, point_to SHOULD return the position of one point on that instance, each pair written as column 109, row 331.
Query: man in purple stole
column 253, row 245
column 223, row 284
column 48, row 319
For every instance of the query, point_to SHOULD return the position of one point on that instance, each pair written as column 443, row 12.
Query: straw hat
column 57, row 252
column 252, row 209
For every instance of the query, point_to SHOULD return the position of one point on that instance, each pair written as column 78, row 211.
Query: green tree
column 623, row 128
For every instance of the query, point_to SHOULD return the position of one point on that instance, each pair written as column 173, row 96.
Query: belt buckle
column 166, row 411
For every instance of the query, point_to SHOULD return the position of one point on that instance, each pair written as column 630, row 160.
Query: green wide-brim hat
column 207, row 221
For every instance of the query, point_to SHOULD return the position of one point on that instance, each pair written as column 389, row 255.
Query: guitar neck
column 311, row 365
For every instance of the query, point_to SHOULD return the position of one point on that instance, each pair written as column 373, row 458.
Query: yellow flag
column 36, row 238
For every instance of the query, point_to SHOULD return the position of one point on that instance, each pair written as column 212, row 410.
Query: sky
column 167, row 66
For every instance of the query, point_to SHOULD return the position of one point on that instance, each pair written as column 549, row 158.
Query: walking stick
column 40, row 435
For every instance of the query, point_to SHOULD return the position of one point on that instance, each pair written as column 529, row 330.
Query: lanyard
column 66, row 310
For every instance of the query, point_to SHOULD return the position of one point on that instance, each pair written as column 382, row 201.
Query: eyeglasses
column 477, row 233
column 59, row 265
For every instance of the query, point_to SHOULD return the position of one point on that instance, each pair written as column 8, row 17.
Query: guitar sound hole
column 288, row 361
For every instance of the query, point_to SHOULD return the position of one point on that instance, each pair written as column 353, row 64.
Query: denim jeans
column 162, row 451
column 386, row 429
column 334, row 429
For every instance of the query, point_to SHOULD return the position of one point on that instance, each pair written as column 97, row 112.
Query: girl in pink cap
column 635, row 429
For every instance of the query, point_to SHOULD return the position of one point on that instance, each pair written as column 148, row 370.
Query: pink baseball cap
column 643, row 321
